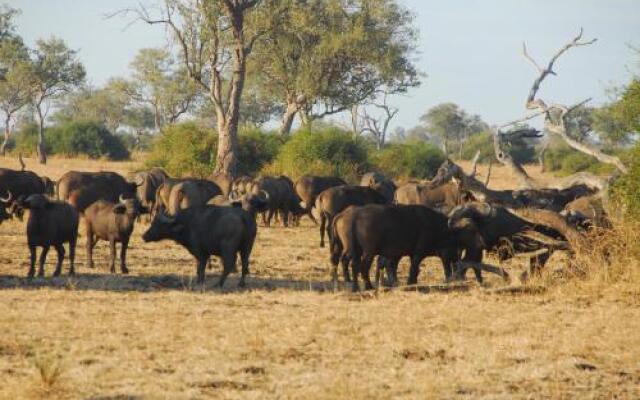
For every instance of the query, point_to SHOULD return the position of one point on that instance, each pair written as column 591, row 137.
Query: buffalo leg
column 244, row 259
column 60, row 250
column 123, row 256
column 323, row 221
column 344, row 260
column 356, row 262
column 365, row 267
column 112, row 247
column 90, row 245
column 43, row 258
column 414, row 270
column 200, row 268
column 72, row 256
column 32, row 261
column 228, row 263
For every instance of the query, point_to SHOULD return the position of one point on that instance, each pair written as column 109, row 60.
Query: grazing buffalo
column 309, row 187
column 112, row 222
column 380, row 183
column 281, row 197
column 393, row 232
column 480, row 226
column 147, row 184
column 81, row 189
column 51, row 223
column 206, row 231
column 442, row 197
column 333, row 200
column 21, row 184
column 191, row 193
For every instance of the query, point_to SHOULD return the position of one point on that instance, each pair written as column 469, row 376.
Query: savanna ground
column 154, row 334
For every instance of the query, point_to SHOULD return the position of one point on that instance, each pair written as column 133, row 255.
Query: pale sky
column 470, row 49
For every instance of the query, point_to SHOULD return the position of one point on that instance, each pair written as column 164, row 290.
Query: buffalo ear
column 119, row 209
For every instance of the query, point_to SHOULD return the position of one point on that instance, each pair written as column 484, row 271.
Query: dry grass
column 154, row 334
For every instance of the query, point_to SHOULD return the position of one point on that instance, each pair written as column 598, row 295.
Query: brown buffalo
column 81, row 189
column 191, row 193
column 309, row 187
column 442, row 198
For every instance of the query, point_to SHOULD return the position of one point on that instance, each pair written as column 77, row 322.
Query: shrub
column 72, row 139
column 417, row 159
column 325, row 151
column 184, row 149
column 188, row 149
column 86, row 138
column 566, row 161
column 626, row 189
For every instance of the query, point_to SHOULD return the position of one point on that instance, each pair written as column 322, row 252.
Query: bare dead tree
column 500, row 139
column 379, row 126
column 556, row 115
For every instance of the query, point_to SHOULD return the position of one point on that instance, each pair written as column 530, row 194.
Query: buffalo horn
column 8, row 198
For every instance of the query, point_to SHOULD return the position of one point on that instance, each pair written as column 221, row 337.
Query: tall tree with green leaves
column 450, row 124
column 56, row 70
column 161, row 85
column 329, row 55
column 15, row 73
column 215, row 39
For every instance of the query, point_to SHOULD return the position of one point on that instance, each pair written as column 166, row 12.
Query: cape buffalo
column 191, row 193
column 147, row 184
column 442, row 198
column 21, row 184
column 309, row 187
column 51, row 223
column 392, row 232
column 333, row 200
column 113, row 222
column 206, row 231
column 281, row 197
column 380, row 183
column 81, row 189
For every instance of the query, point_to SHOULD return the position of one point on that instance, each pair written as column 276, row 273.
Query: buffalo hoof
column 124, row 270
column 56, row 273
column 41, row 274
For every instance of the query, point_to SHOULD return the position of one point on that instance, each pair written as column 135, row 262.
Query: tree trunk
column 505, row 158
column 287, row 118
column 7, row 135
column 40, row 149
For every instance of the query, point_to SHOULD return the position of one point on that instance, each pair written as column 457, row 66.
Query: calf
column 113, row 222
column 50, row 223
column 209, row 230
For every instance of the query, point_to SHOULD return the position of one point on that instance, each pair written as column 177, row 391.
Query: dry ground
column 154, row 335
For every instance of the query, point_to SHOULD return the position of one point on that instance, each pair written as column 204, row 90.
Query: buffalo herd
column 376, row 220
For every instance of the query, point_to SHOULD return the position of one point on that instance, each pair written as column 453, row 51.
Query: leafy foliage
column 522, row 151
column 327, row 151
column 72, row 139
column 415, row 158
column 626, row 189
column 450, row 124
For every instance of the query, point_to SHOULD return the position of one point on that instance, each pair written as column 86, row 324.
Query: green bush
column 26, row 140
column 91, row 139
column 184, row 149
column 566, row 161
column 326, row 151
column 416, row 159
column 626, row 190
column 72, row 139
column 188, row 149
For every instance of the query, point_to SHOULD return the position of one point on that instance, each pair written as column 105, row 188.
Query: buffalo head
column 466, row 222
column 130, row 207
column 162, row 227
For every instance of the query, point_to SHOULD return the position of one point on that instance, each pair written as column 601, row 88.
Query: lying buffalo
column 392, row 232
column 191, row 193
column 114, row 223
column 333, row 200
column 206, row 231
column 81, row 189
column 586, row 213
column 51, row 223
column 309, row 187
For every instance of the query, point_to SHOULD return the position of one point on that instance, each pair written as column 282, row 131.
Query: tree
column 327, row 56
column 158, row 84
column 15, row 73
column 216, row 38
column 56, row 71
column 378, row 126
column 450, row 123
column 107, row 105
